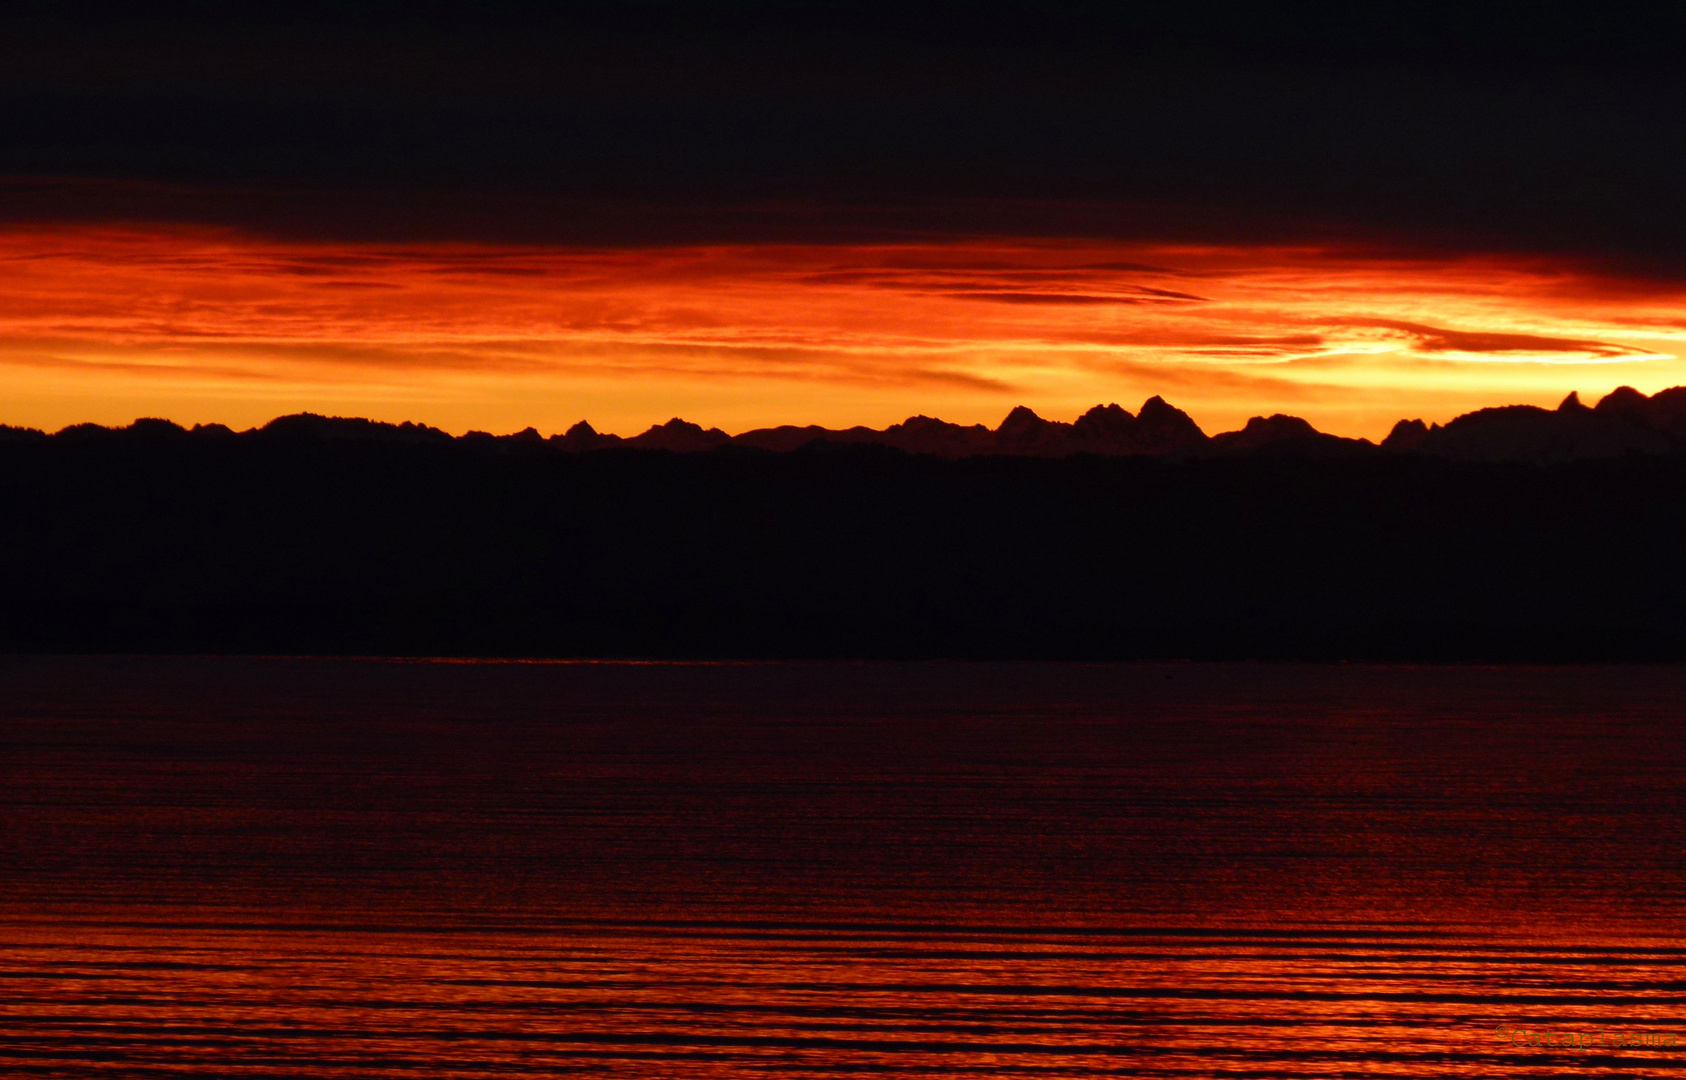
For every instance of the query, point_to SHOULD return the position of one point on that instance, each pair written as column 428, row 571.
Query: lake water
column 304, row 868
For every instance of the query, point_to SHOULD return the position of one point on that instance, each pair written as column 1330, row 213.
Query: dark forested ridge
column 400, row 542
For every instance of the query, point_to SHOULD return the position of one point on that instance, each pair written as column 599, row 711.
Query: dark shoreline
column 243, row 545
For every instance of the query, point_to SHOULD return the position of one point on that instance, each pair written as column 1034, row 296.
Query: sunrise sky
column 758, row 213
column 202, row 325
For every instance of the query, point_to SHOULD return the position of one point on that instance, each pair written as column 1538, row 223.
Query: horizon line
column 1572, row 398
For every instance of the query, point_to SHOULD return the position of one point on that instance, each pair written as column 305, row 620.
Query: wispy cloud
column 1437, row 339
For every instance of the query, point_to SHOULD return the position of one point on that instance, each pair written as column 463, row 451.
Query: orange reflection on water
column 326, row 868
column 437, row 997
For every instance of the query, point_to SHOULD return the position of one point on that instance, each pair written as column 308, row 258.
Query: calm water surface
column 226, row 867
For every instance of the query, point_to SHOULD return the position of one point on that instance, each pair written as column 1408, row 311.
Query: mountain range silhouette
column 1625, row 421
column 1513, row 533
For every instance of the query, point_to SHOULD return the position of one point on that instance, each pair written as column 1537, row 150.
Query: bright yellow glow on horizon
column 199, row 326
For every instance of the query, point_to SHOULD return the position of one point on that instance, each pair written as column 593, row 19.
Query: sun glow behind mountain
column 105, row 324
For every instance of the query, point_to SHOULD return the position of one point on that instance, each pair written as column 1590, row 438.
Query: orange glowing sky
column 200, row 325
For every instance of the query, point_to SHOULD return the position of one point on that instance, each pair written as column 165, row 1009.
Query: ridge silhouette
column 1514, row 533
column 1625, row 421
